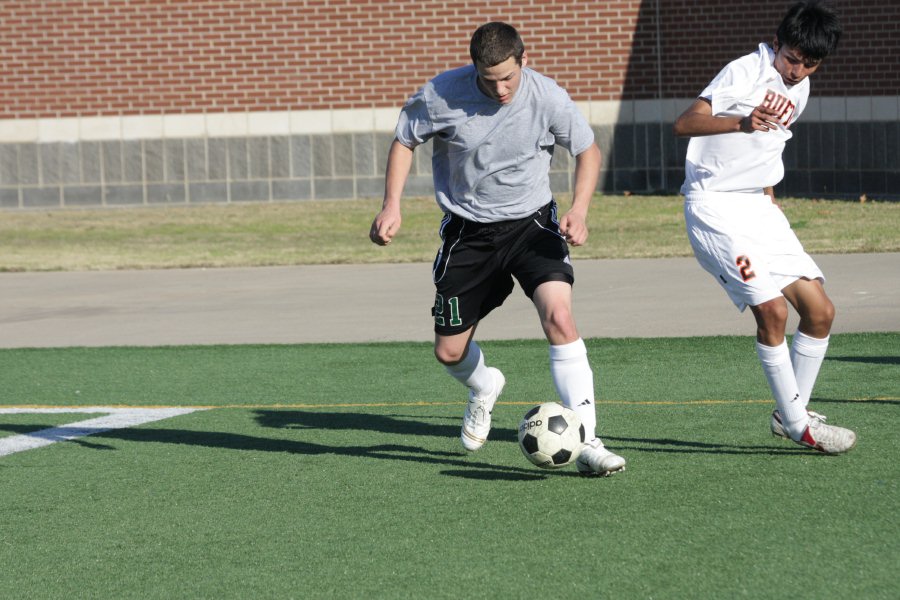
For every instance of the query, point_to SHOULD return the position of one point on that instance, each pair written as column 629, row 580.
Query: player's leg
column 810, row 342
column 790, row 418
column 572, row 374
column 807, row 353
column 775, row 358
column 539, row 259
column 464, row 361
column 746, row 243
column 723, row 232
column 569, row 366
column 800, row 281
column 468, row 287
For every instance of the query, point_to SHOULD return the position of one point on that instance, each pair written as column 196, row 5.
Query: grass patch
column 303, row 483
column 332, row 232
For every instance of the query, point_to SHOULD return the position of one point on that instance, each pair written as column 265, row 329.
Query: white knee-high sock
column 807, row 354
column 574, row 382
column 471, row 370
column 776, row 364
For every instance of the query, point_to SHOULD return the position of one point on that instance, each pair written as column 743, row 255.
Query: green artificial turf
column 335, row 471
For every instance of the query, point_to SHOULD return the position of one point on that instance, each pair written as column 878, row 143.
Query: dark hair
column 811, row 28
column 494, row 42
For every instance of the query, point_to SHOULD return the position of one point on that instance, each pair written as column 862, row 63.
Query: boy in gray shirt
column 494, row 125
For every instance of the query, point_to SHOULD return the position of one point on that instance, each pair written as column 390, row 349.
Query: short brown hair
column 494, row 42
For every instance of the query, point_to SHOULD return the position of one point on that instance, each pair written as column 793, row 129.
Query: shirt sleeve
column 569, row 127
column 415, row 125
column 733, row 84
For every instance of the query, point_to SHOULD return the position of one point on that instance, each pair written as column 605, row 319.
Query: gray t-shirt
column 491, row 161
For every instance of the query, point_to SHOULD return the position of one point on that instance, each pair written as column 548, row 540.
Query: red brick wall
column 700, row 36
column 123, row 57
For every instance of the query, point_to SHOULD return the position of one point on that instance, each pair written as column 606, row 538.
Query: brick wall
column 699, row 37
column 145, row 101
column 100, row 57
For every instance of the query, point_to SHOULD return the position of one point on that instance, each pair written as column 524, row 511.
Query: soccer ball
column 551, row 435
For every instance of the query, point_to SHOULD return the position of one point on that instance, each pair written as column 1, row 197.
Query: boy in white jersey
column 738, row 127
column 494, row 125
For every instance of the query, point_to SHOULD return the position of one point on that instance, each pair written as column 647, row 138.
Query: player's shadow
column 25, row 429
column 21, row 428
column 350, row 421
column 870, row 360
column 454, row 463
column 671, row 445
column 389, row 424
column 889, row 401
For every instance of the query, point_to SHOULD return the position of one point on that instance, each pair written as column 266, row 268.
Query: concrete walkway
column 353, row 303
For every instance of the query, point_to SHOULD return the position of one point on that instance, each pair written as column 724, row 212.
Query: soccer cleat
column 596, row 460
column 777, row 426
column 827, row 438
column 477, row 420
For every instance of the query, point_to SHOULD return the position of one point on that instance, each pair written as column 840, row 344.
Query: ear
column 775, row 44
column 524, row 58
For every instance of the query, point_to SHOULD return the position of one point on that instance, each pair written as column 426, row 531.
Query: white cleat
column 477, row 420
column 596, row 460
column 827, row 438
column 777, row 426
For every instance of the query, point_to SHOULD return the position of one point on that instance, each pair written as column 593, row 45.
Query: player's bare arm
column 698, row 120
column 387, row 222
column 573, row 225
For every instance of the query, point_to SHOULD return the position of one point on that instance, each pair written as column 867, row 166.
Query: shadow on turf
column 692, row 447
column 887, row 401
column 871, row 360
column 350, row 421
column 24, row 429
column 458, row 465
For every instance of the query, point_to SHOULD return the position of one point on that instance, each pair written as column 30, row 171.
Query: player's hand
column 574, row 228
column 761, row 119
column 385, row 226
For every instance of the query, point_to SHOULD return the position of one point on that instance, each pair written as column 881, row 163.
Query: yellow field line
column 411, row 404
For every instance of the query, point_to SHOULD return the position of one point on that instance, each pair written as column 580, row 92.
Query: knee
column 818, row 320
column 447, row 355
column 771, row 320
column 559, row 325
column 772, row 315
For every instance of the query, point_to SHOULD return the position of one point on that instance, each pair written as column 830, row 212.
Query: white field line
column 114, row 418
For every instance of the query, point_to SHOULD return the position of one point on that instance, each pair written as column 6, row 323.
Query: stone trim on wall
column 274, row 157
column 313, row 122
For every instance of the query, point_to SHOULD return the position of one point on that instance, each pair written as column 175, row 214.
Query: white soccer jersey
column 741, row 162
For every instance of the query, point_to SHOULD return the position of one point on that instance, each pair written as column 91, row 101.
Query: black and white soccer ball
column 551, row 435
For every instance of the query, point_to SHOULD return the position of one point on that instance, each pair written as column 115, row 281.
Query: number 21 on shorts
column 441, row 308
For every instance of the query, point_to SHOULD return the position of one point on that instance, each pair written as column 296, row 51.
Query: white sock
column 807, row 354
column 574, row 382
column 471, row 371
column 776, row 364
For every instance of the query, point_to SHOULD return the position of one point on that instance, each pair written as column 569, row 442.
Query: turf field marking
column 276, row 405
column 113, row 418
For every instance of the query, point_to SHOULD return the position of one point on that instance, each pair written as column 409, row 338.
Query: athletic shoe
column 827, row 438
column 596, row 460
column 477, row 420
column 777, row 426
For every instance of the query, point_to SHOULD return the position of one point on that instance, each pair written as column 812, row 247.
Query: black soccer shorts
column 475, row 265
